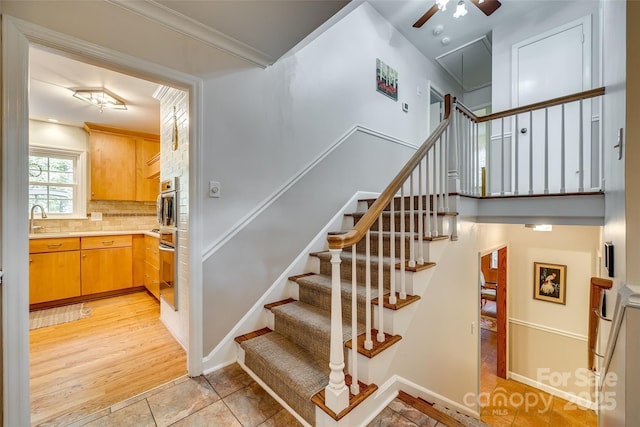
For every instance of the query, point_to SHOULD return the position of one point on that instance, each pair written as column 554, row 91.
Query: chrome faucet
column 33, row 228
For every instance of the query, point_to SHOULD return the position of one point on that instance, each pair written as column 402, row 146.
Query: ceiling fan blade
column 424, row 18
column 487, row 6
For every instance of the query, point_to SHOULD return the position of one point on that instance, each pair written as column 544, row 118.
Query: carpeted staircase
column 293, row 358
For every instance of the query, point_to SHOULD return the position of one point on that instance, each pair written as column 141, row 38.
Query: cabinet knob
column 30, row 260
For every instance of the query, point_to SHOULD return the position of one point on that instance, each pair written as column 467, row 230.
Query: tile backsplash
column 116, row 216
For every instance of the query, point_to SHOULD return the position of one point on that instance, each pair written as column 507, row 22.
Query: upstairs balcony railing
column 549, row 147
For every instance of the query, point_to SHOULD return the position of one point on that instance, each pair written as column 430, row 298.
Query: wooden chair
column 488, row 290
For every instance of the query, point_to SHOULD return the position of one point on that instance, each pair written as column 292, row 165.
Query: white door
column 547, row 66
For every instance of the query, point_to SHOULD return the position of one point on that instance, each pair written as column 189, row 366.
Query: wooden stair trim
column 354, row 400
column 436, row 238
column 417, row 268
column 254, row 334
column 530, row 196
column 400, row 303
column 428, row 409
column 278, row 303
column 407, row 212
column 378, row 347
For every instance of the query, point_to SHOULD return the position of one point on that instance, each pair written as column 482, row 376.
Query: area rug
column 488, row 323
column 57, row 315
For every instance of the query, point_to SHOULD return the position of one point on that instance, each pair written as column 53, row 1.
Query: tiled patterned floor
column 227, row 397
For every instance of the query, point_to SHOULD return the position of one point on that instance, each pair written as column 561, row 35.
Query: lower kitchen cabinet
column 151, row 265
column 107, row 263
column 54, row 276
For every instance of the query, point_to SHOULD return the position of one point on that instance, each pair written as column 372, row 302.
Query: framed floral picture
column 550, row 282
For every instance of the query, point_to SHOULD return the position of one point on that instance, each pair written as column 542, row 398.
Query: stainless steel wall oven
column 167, row 217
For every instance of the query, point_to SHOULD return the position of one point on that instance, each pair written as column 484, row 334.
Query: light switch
column 214, row 189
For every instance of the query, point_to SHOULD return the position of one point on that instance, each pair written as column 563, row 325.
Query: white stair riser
column 396, row 321
column 373, row 370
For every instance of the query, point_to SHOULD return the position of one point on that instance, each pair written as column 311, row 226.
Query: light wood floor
column 81, row 367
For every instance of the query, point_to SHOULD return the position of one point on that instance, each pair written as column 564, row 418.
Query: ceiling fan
column 486, row 6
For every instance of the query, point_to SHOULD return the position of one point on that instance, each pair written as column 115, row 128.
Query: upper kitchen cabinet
column 119, row 169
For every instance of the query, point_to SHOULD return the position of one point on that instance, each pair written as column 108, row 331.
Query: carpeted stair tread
column 346, row 258
column 308, row 326
column 316, row 290
column 293, row 372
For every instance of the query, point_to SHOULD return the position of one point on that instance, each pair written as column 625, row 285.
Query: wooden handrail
column 353, row 236
column 531, row 107
column 597, row 286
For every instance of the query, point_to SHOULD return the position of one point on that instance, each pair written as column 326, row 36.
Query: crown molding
column 190, row 27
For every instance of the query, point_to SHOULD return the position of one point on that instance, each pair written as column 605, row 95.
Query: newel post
column 336, row 392
column 453, row 174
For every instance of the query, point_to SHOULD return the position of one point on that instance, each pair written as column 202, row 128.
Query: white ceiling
column 53, row 76
column 266, row 28
column 460, row 32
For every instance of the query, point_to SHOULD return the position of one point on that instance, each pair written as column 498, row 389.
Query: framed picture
column 550, row 282
column 386, row 80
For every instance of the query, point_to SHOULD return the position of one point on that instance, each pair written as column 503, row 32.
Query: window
column 55, row 181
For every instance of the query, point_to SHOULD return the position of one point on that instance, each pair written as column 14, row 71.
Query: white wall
column 554, row 14
column 264, row 126
column 545, row 335
column 58, row 136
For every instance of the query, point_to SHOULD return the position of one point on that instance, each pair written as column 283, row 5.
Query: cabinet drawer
column 152, row 279
column 102, row 242
column 54, row 245
column 152, row 253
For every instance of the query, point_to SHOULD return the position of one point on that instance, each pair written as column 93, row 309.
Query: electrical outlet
column 214, row 189
column 96, row 216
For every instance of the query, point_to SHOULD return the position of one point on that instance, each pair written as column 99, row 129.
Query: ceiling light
column 442, row 5
column 480, row 1
column 540, row 227
column 438, row 30
column 101, row 98
column 461, row 10
column 53, row 120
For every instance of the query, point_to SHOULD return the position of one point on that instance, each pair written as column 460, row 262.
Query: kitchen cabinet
column 119, row 167
column 146, row 188
column 152, row 265
column 106, row 263
column 54, row 269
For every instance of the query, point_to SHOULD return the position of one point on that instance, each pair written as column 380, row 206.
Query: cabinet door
column 54, row 276
column 152, row 280
column 113, row 167
column 147, row 189
column 106, row 270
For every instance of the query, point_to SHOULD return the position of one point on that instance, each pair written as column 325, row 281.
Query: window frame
column 80, row 178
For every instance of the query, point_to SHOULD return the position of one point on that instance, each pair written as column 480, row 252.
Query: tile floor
column 227, row 397
column 230, row 397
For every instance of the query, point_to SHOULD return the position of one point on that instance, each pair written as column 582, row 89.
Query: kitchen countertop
column 90, row 233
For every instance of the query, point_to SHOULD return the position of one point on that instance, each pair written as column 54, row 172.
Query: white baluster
column 380, row 335
column 562, row 153
column 434, row 228
column 412, row 249
column 581, row 153
column 488, row 165
column 420, row 217
column 530, row 152
column 336, row 392
column 502, row 156
column 368, row 342
column 443, row 172
column 403, row 284
column 392, row 254
column 517, row 133
column 428, row 199
column 355, row 388
column 546, row 151
column 446, row 172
